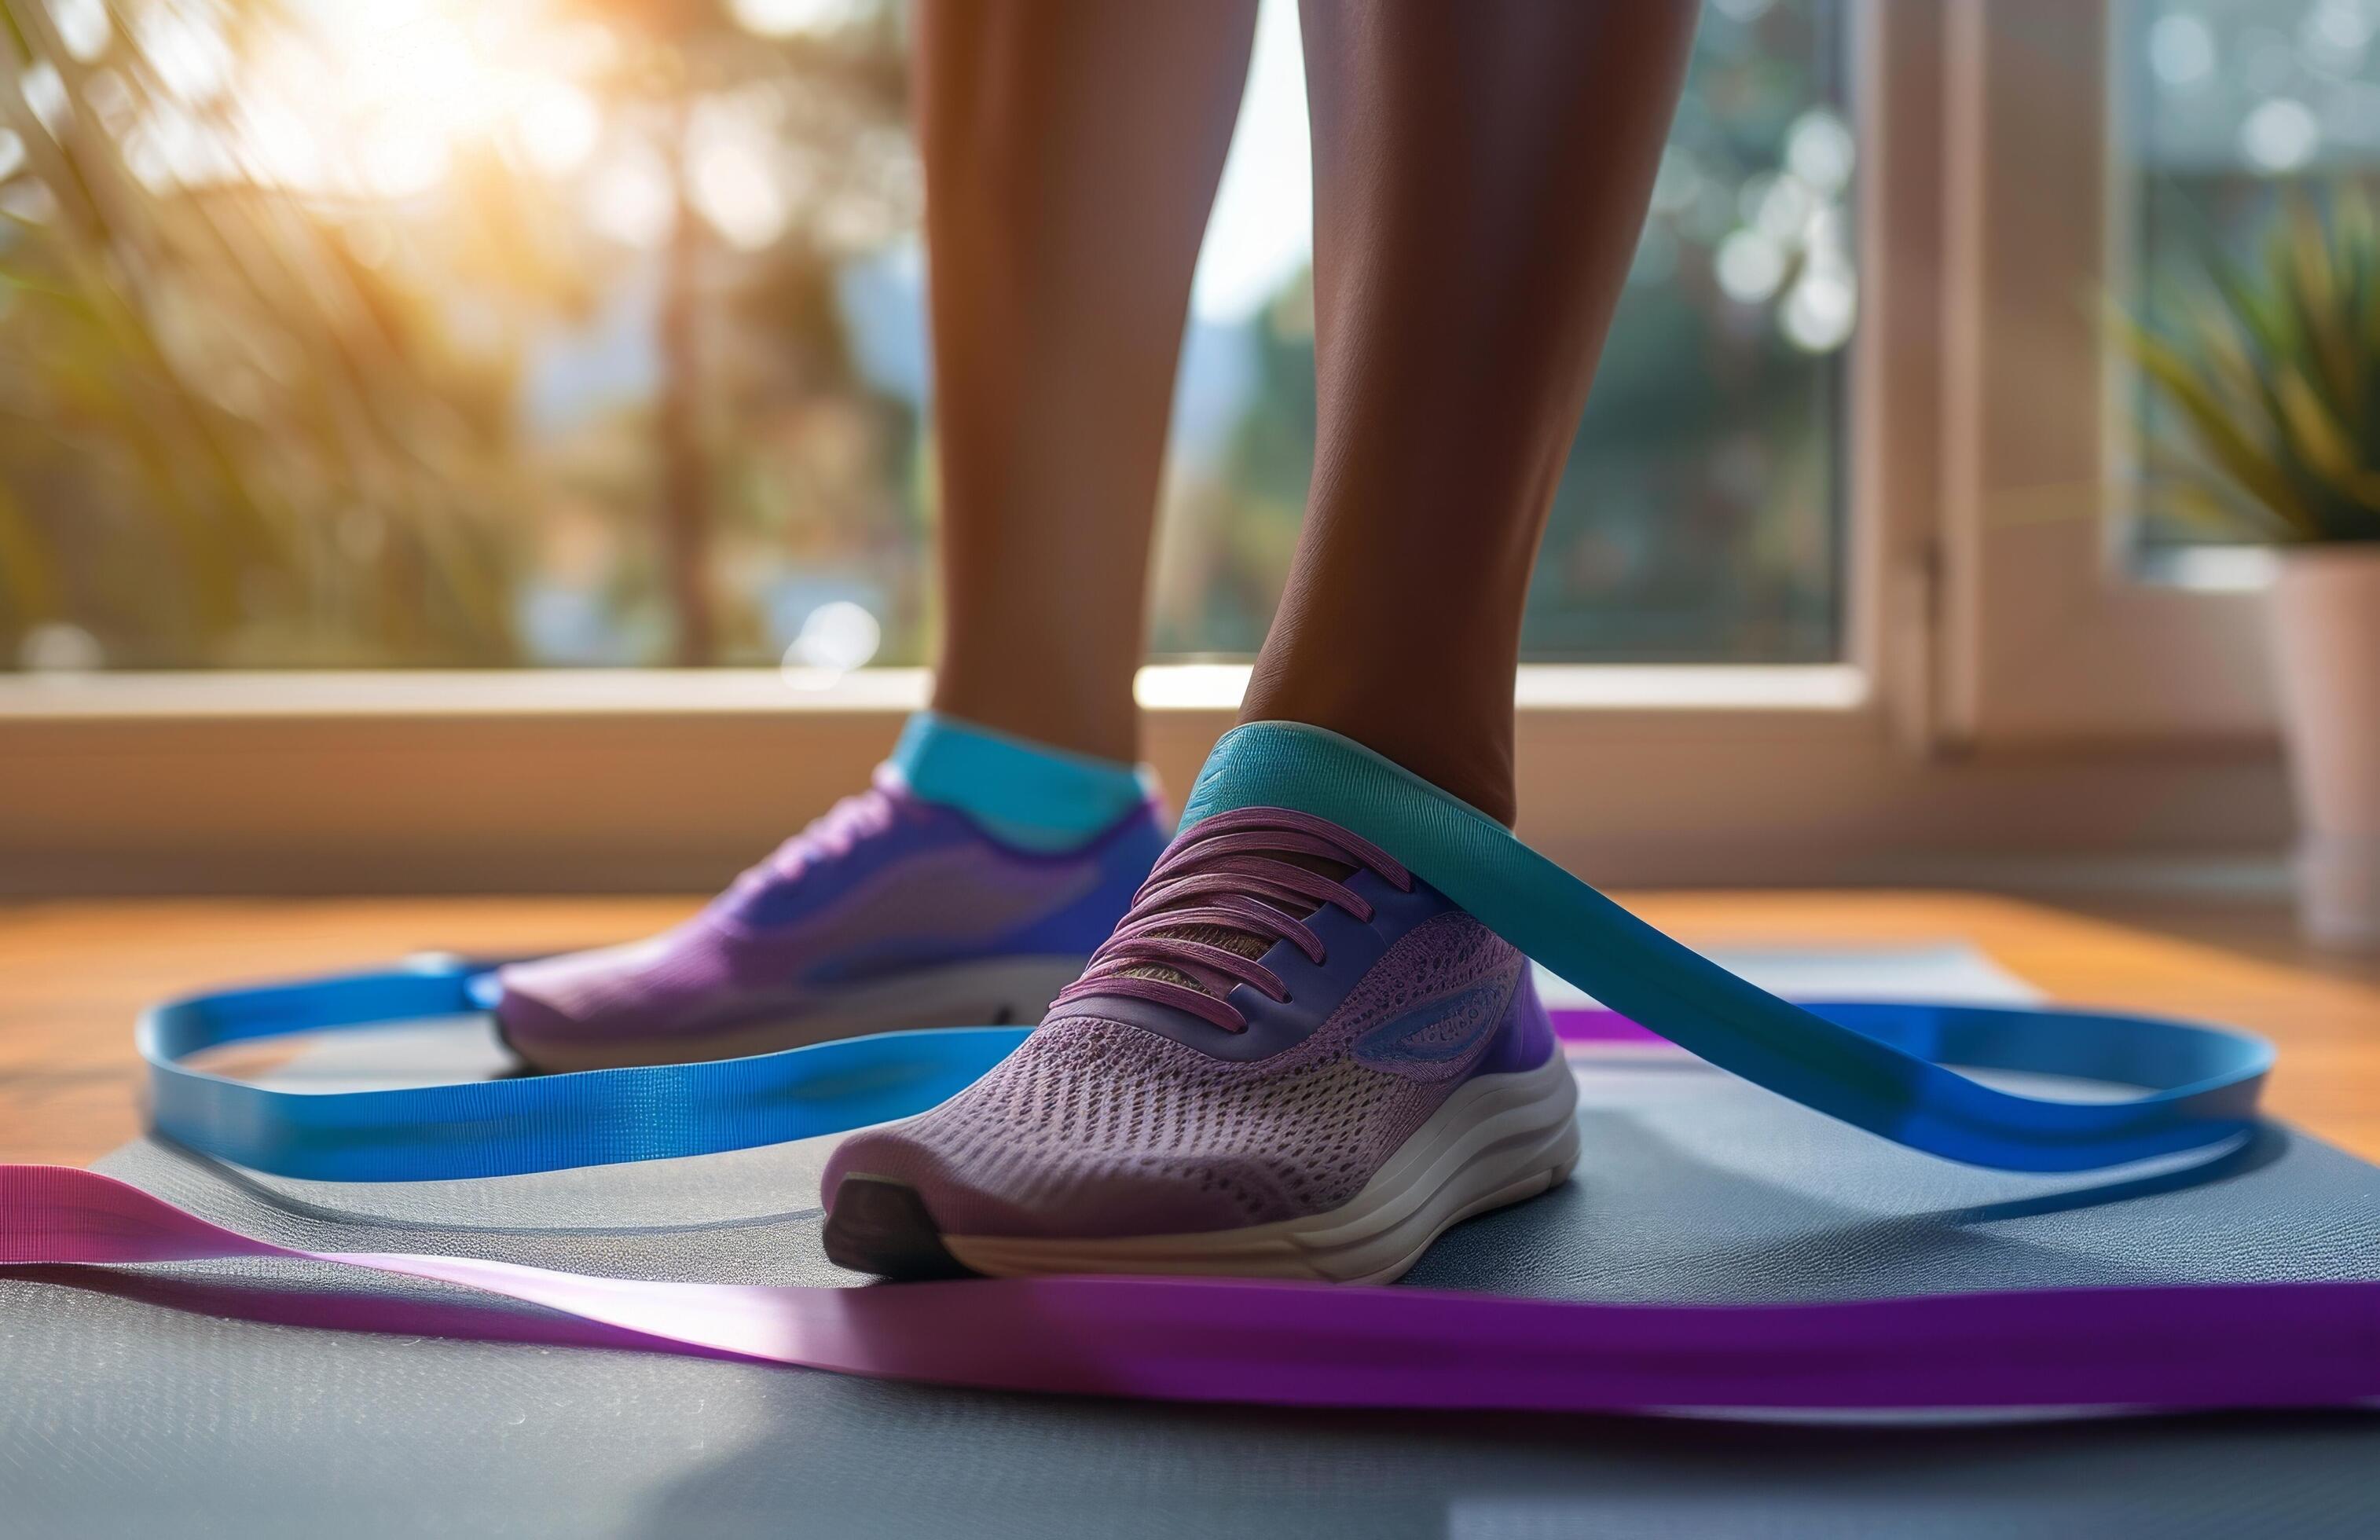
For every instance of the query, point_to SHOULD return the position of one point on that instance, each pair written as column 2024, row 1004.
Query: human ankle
column 1474, row 765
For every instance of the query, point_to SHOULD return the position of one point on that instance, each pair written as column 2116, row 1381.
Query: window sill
column 177, row 696
column 645, row 782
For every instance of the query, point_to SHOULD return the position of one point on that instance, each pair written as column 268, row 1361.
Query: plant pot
column 2326, row 619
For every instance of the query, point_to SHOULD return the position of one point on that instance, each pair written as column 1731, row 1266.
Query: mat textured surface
column 139, row 1407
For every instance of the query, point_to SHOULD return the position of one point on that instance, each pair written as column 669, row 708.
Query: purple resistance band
column 1312, row 1344
column 1204, row 1340
column 1593, row 1024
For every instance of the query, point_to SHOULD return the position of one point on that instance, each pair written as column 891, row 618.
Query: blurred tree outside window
column 588, row 333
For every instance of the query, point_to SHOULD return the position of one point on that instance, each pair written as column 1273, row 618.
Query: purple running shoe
column 888, row 912
column 1292, row 1059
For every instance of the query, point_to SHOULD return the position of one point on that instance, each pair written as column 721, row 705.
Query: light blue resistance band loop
column 536, row 1124
column 602, row 1117
column 1879, row 1068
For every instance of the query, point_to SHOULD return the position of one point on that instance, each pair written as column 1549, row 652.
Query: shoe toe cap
column 1049, row 1192
column 579, row 992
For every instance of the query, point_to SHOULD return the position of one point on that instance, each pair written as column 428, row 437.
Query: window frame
column 1859, row 771
column 2049, row 636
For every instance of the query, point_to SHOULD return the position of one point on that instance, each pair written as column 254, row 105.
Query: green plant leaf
column 2251, row 465
column 2301, row 263
column 2324, row 442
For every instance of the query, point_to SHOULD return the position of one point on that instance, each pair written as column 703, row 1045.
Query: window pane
column 2223, row 106
column 582, row 334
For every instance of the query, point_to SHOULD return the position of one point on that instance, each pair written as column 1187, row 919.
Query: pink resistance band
column 1301, row 1344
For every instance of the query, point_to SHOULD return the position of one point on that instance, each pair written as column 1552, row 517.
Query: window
column 2068, row 176
column 355, row 358
column 2219, row 105
column 432, row 335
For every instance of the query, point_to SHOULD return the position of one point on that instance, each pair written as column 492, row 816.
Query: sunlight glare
column 277, row 146
column 628, row 198
column 45, row 92
column 185, row 46
column 733, row 182
column 777, row 18
column 403, row 156
column 1261, row 231
column 391, row 94
column 82, row 27
column 558, row 125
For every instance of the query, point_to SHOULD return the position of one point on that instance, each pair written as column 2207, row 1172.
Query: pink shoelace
column 1228, row 872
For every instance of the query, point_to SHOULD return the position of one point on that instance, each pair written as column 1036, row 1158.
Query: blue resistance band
column 532, row 1123
column 1877, row 1066
column 602, row 1117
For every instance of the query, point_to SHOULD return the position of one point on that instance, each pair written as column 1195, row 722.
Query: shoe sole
column 1499, row 1139
column 998, row 993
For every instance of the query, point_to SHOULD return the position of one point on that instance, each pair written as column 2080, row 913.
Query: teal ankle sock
column 1022, row 792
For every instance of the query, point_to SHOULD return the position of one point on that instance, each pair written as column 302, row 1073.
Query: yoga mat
column 118, row 1412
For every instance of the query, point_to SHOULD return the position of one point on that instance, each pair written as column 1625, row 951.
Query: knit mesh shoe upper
column 883, row 886
column 1183, row 1086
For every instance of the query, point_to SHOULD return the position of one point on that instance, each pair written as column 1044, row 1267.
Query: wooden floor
column 72, row 974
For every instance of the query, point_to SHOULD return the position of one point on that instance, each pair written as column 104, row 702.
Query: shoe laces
column 1232, row 876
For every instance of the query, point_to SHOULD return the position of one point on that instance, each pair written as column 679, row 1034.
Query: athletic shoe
column 1292, row 1060
column 887, row 913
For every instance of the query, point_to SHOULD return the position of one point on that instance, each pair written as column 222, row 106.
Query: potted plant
column 2274, row 375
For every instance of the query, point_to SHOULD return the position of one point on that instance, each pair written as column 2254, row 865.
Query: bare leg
column 1481, row 173
column 1072, row 149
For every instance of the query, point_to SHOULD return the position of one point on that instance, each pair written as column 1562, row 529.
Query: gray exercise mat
column 147, row 1406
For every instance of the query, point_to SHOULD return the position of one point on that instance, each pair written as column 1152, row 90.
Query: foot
column 889, row 913
column 1292, row 1059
